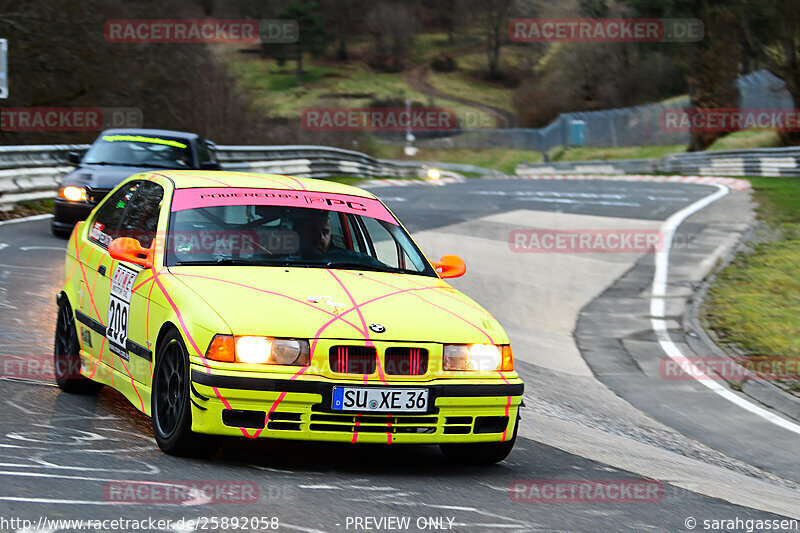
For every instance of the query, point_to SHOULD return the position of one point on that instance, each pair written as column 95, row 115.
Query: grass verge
column 502, row 159
column 28, row 208
column 754, row 302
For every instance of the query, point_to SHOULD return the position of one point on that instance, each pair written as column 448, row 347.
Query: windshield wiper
column 350, row 265
column 224, row 261
column 233, row 261
column 155, row 165
column 109, row 163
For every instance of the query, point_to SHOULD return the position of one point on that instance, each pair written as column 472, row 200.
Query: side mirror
column 74, row 158
column 450, row 266
column 128, row 249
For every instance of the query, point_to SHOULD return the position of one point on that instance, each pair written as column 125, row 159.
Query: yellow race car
column 233, row 304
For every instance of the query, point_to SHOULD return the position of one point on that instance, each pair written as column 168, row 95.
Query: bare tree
column 393, row 28
column 493, row 18
column 772, row 38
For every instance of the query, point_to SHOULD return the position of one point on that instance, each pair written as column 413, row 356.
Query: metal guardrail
column 771, row 162
column 34, row 172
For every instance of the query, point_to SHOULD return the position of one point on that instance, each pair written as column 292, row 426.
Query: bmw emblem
column 377, row 328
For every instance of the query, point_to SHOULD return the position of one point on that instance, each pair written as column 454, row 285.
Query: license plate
column 380, row 399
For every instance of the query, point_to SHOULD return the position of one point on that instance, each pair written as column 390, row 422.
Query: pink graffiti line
column 201, row 176
column 340, row 316
column 79, row 262
column 355, row 429
column 508, row 405
column 313, row 346
column 147, row 322
column 99, row 359
column 121, row 360
column 185, row 330
column 367, row 338
column 502, row 376
column 275, row 404
column 178, row 314
column 307, row 304
column 431, row 303
column 144, row 282
column 444, row 292
column 299, row 183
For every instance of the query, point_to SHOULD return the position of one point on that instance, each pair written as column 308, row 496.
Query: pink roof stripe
column 344, row 203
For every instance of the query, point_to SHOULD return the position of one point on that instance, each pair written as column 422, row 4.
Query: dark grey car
column 117, row 154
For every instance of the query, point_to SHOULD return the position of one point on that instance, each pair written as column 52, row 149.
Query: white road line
column 3, row 245
column 489, row 526
column 578, row 202
column 25, row 219
column 26, row 248
column 82, row 468
column 284, row 525
column 78, row 478
column 657, row 305
column 57, row 501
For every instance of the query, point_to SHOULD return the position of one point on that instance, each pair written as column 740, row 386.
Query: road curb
column 704, row 341
column 720, row 238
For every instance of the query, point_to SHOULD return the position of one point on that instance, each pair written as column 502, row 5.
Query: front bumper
column 66, row 214
column 300, row 409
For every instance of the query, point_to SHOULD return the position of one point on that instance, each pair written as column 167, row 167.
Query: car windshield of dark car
column 140, row 151
column 290, row 236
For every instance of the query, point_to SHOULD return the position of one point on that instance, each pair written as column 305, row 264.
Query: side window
column 337, row 232
column 352, row 233
column 206, row 153
column 386, row 249
column 141, row 219
column 105, row 225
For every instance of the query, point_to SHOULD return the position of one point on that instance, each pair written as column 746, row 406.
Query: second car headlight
column 260, row 350
column 72, row 193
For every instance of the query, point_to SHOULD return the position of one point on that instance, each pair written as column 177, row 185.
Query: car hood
column 318, row 303
column 100, row 177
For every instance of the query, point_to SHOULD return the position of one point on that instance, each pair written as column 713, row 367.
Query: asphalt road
column 60, row 454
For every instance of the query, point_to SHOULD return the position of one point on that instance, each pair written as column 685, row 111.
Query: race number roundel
column 119, row 305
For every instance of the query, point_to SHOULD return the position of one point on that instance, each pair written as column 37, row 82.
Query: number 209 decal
column 119, row 303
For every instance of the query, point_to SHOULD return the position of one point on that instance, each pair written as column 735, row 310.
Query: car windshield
column 140, row 151
column 264, row 234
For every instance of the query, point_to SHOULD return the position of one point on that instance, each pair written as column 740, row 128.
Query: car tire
column 171, row 411
column 66, row 355
column 481, row 453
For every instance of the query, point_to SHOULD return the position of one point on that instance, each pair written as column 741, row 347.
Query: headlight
column 258, row 350
column 73, row 194
column 290, row 352
column 252, row 349
column 482, row 357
